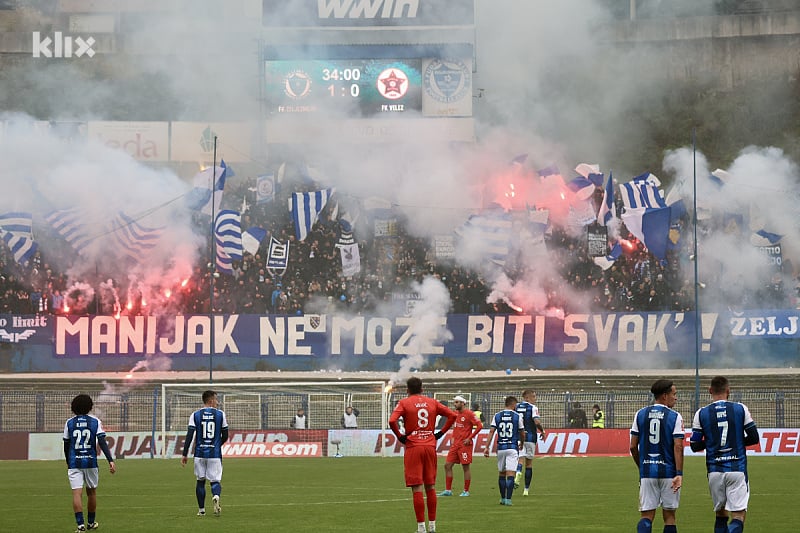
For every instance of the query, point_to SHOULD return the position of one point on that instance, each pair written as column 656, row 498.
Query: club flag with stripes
column 305, row 208
column 251, row 239
column 585, row 169
column 489, row 234
column 277, row 257
column 20, row 224
column 763, row 237
column 351, row 259
column 72, row 226
column 606, row 262
column 131, row 238
column 199, row 198
column 642, row 191
column 608, row 210
column 22, row 247
column 228, row 239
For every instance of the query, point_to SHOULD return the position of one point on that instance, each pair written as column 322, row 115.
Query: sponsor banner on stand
column 143, row 141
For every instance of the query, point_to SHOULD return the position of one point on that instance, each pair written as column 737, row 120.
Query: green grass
column 368, row 494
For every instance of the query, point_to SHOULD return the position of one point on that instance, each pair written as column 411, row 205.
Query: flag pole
column 212, row 259
column 697, row 324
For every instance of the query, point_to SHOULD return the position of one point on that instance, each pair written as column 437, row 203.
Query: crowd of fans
column 313, row 283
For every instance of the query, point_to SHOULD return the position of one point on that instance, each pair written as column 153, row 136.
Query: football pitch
column 359, row 494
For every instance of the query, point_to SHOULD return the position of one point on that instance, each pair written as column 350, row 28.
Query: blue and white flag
column 651, row 226
column 606, row 262
column 586, row 170
column 199, row 198
column 133, row 239
column 228, row 239
column 608, row 210
column 642, row 191
column 763, row 237
column 20, row 224
column 72, row 226
column 489, row 234
column 277, row 257
column 22, row 247
column 251, row 239
column 265, row 188
column 582, row 187
column 305, row 208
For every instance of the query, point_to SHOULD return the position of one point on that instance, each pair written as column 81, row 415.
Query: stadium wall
column 752, row 339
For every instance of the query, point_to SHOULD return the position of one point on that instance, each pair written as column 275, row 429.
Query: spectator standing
column 299, row 421
column 350, row 418
column 598, row 417
column 577, row 417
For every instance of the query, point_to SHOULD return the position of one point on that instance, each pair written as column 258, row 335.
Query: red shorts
column 460, row 455
column 420, row 465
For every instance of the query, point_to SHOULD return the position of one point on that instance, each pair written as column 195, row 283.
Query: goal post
column 267, row 408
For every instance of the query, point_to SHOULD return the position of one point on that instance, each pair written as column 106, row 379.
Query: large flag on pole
column 22, row 247
column 199, row 198
column 305, row 208
column 489, row 234
column 18, row 223
column 228, row 239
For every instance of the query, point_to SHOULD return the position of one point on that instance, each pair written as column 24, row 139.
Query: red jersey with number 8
column 419, row 419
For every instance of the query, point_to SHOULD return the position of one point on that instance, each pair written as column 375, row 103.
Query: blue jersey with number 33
column 507, row 423
column 208, row 424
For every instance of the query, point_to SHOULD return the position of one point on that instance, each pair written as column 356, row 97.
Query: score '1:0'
column 355, row 90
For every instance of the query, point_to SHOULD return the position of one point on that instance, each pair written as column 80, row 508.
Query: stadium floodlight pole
column 697, row 319
column 212, row 260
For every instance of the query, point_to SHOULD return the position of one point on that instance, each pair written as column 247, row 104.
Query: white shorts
column 507, row 460
column 210, row 469
column 729, row 491
column 657, row 491
column 528, row 450
column 78, row 477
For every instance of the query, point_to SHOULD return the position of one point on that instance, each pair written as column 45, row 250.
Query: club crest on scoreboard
column 297, row 84
column 447, row 80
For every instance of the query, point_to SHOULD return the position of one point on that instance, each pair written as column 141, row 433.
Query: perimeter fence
column 271, row 406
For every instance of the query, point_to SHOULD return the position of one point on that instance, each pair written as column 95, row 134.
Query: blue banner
column 458, row 342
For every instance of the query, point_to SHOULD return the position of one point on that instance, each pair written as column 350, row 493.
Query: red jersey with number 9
column 419, row 419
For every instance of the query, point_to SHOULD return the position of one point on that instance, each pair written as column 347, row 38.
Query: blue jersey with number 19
column 657, row 427
column 208, row 424
column 507, row 423
column 722, row 425
column 81, row 432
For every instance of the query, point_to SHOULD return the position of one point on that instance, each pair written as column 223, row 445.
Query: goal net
column 265, row 412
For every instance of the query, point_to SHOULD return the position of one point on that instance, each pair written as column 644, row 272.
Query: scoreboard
column 364, row 87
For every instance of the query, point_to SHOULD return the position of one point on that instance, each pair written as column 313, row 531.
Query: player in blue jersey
column 724, row 429
column 533, row 426
column 510, row 432
column 82, row 434
column 211, row 428
column 657, row 437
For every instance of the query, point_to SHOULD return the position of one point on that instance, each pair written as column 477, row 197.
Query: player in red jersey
column 419, row 414
column 465, row 428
